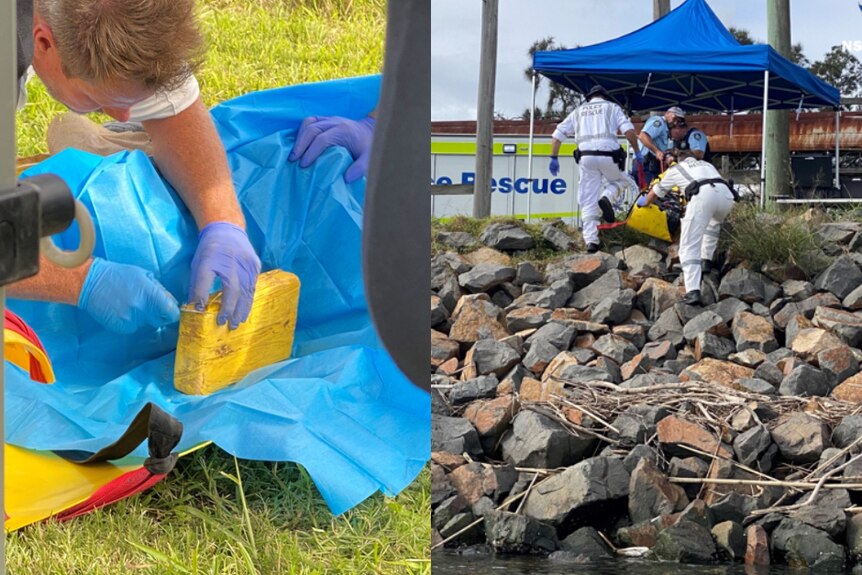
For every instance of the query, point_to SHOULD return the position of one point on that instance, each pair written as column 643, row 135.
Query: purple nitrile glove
column 317, row 133
column 639, row 157
column 124, row 298
column 642, row 202
column 554, row 166
column 224, row 251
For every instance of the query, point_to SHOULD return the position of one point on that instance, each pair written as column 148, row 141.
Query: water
column 482, row 563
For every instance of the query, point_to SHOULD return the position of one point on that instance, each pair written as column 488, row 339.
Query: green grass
column 199, row 520
column 760, row 236
column 254, row 45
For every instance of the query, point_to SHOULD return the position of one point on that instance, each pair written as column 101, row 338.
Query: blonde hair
column 157, row 43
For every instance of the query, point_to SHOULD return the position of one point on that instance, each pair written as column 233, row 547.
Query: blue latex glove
column 125, row 298
column 642, row 202
column 317, row 133
column 554, row 166
column 639, row 157
column 224, row 251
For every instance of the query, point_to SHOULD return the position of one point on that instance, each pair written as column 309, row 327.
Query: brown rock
column 809, row 342
column 717, row 371
column 558, row 364
column 449, row 461
column 674, row 431
column 586, row 269
column 442, row 349
column 575, row 416
column 448, row 367
column 757, row 546
column 527, row 317
column 639, row 535
column 638, row 364
column 590, row 326
column 570, row 313
column 486, row 255
column 535, row 391
column 631, row 332
column 748, row 358
column 476, row 318
column 753, row 332
column 659, row 350
column 657, row 295
column 474, row 480
column 491, row 417
column 585, row 341
column 850, row 389
column 845, row 324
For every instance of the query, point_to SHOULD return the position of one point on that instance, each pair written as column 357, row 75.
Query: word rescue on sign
column 507, row 185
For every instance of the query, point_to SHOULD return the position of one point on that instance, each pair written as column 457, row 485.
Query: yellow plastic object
column 40, row 484
column 18, row 350
column 651, row 221
column 211, row 357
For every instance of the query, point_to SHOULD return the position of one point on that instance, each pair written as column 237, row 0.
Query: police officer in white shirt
column 594, row 125
column 710, row 199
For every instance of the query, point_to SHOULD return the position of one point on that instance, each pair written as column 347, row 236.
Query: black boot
column 607, row 210
column 706, row 266
column 592, row 248
column 692, row 298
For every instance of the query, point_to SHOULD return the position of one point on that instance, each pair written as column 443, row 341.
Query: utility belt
column 618, row 155
column 693, row 188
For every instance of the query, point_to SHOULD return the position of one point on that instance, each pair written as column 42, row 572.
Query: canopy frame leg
column 837, row 148
column 530, row 151
column 763, row 140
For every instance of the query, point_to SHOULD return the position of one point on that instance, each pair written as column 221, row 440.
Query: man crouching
column 710, row 199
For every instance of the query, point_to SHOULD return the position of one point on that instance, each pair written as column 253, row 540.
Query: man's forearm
column 190, row 154
column 647, row 141
column 52, row 283
column 555, row 147
column 632, row 138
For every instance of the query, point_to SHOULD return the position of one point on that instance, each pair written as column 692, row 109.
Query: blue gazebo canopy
column 687, row 58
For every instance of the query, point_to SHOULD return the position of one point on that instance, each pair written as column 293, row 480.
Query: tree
column 841, row 69
column 797, row 55
column 560, row 100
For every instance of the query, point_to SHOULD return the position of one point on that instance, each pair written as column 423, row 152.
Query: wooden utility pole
column 485, row 109
column 778, row 121
column 660, row 8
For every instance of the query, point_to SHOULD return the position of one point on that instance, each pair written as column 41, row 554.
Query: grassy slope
column 196, row 521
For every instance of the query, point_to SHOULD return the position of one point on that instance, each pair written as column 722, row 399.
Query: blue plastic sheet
column 340, row 406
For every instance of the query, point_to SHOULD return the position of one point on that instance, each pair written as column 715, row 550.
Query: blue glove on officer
column 124, row 298
column 225, row 252
column 642, row 201
column 554, row 166
column 639, row 157
column 317, row 133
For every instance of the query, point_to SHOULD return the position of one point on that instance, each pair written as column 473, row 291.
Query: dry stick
column 523, row 499
column 810, row 500
column 776, row 483
column 588, row 413
column 509, row 501
column 711, row 464
column 736, row 463
column 834, row 458
column 777, row 507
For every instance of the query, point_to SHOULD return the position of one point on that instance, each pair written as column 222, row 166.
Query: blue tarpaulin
column 686, row 58
column 340, row 407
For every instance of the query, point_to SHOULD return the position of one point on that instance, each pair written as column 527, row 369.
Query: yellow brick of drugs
column 211, row 357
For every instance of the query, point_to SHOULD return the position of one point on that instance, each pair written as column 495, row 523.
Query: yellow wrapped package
column 649, row 220
column 211, row 357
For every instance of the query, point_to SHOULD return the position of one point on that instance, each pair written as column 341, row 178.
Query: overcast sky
column 455, row 34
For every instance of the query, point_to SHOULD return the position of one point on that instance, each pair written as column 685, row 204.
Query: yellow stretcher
column 43, row 484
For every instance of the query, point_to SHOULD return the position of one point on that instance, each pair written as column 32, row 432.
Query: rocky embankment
column 580, row 411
